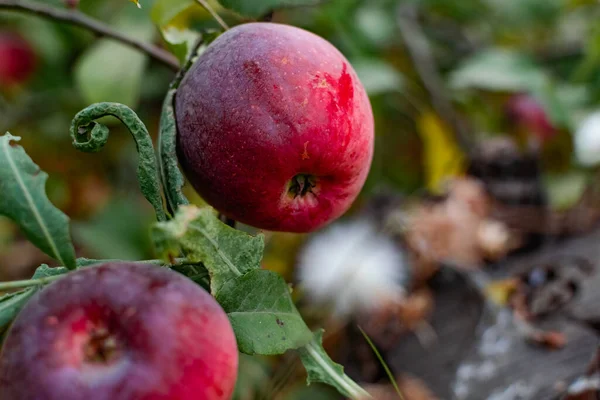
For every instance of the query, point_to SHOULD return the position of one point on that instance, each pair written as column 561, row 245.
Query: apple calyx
column 103, row 346
column 302, row 184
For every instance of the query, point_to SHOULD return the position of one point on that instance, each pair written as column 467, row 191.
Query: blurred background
column 469, row 258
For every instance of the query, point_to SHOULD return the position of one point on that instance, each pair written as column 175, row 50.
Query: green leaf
column 377, row 24
column 11, row 304
column 590, row 62
column 498, row 70
column 196, row 272
column 23, row 199
column 525, row 13
column 44, row 271
column 111, row 71
column 90, row 136
column 43, row 275
column 171, row 177
column 321, row 368
column 565, row 190
column 180, row 39
column 256, row 9
column 88, row 262
column 45, row 37
column 257, row 301
column 262, row 314
column 165, row 11
column 509, row 71
column 225, row 252
column 377, row 76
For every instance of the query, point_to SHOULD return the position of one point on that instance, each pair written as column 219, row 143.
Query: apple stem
column 81, row 263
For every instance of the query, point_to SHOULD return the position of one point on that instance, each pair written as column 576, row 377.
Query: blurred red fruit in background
column 527, row 112
column 71, row 3
column 17, row 59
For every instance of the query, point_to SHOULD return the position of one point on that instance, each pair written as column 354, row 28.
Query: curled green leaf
column 171, row 177
column 91, row 136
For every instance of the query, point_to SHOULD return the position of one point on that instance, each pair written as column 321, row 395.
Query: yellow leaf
column 442, row 156
column 137, row 3
column 499, row 292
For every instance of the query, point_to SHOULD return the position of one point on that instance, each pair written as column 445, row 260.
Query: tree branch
column 424, row 63
column 81, row 20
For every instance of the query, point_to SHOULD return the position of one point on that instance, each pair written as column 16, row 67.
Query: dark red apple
column 120, row 331
column 17, row 59
column 275, row 129
column 526, row 111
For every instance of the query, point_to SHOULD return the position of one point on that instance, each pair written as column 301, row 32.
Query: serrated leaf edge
column 186, row 218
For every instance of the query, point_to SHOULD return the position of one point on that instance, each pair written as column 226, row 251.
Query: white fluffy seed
column 587, row 141
column 354, row 268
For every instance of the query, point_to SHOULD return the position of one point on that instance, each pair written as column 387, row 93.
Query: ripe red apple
column 275, row 129
column 525, row 110
column 17, row 59
column 120, row 331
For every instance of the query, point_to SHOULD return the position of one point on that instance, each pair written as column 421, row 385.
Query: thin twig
column 81, row 20
column 86, row 262
column 28, row 282
column 389, row 373
column 425, row 65
column 212, row 12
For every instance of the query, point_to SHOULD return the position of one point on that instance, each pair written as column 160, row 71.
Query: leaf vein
column 32, row 205
column 331, row 372
column 252, row 312
column 226, row 259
